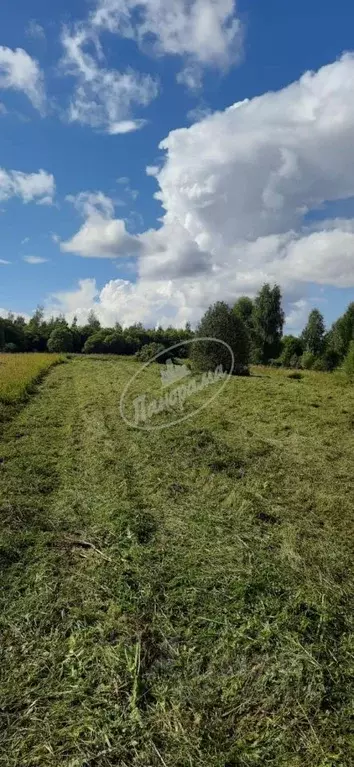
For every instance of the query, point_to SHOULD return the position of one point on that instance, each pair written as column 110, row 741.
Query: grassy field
column 18, row 373
column 180, row 598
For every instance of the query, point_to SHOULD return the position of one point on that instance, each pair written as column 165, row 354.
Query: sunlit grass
column 18, row 373
column 183, row 597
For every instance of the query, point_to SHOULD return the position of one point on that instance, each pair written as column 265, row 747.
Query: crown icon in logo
column 173, row 373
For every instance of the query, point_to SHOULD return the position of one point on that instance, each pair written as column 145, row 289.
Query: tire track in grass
column 55, row 600
column 75, row 644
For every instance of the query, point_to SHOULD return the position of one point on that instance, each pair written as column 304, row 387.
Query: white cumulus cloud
column 121, row 300
column 30, row 187
column 20, row 72
column 238, row 189
column 101, row 235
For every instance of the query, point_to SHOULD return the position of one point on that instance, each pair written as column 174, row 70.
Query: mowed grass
column 184, row 597
column 18, row 373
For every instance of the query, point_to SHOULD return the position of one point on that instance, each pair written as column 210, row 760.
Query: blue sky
column 115, row 247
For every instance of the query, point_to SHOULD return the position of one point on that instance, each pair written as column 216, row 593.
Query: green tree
column 268, row 319
column 60, row 340
column 93, row 322
column 12, row 334
column 244, row 308
column 37, row 319
column 76, row 332
column 221, row 322
column 20, row 321
column 2, row 333
column 292, row 347
column 342, row 333
column 95, row 343
column 348, row 364
column 36, row 332
column 149, row 351
column 115, row 343
column 308, row 360
column 314, row 332
column 139, row 335
column 330, row 358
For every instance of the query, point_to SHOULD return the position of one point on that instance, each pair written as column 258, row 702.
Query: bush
column 292, row 348
column 149, row 351
column 115, row 343
column 60, row 340
column 10, row 348
column 295, row 361
column 95, row 343
column 182, row 352
column 348, row 364
column 307, row 360
column 132, row 345
column 331, row 359
column 275, row 363
column 220, row 322
column 319, row 365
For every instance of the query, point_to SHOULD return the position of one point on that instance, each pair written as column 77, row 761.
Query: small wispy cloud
column 125, row 126
column 125, row 181
column 103, row 98
column 3, row 261
column 35, row 30
column 35, row 260
column 198, row 113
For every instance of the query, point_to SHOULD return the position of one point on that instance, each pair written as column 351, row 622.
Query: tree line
column 57, row 335
column 253, row 327
column 316, row 348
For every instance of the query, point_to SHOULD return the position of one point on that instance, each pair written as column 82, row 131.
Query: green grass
column 181, row 598
column 18, row 375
